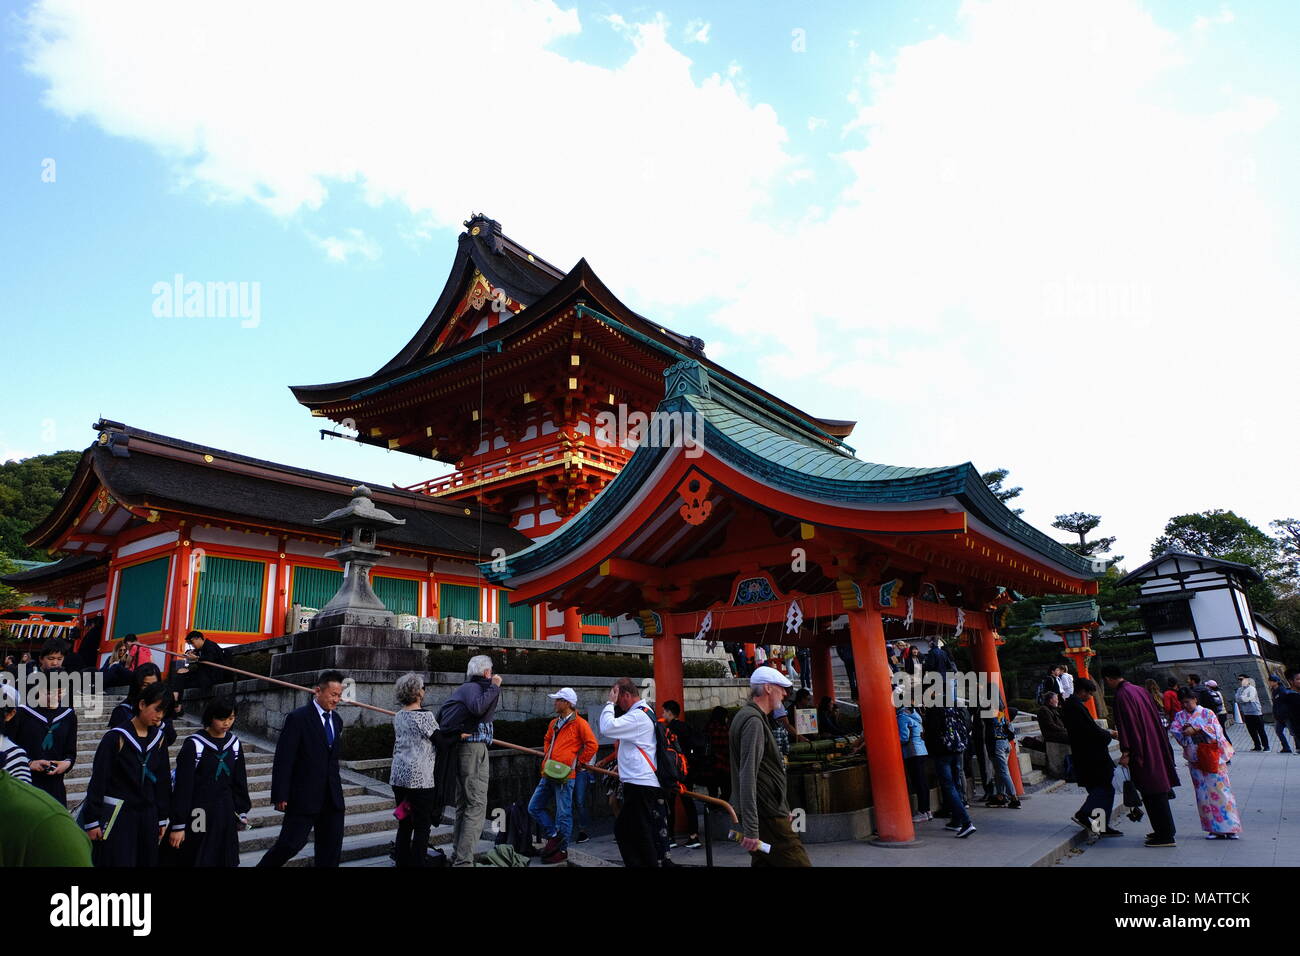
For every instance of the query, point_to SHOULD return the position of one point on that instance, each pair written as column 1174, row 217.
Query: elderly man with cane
column 758, row 775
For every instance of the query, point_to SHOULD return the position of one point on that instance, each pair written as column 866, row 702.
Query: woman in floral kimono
column 1194, row 725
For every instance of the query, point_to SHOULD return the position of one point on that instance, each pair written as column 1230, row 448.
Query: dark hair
column 1172, row 683
column 158, row 693
column 718, row 713
column 825, row 702
column 1085, row 685
column 329, row 677
column 1187, row 694
column 218, row 709
column 673, row 707
column 1290, row 675
column 1112, row 670
column 53, row 646
column 195, row 634
column 802, row 694
column 1194, row 678
column 137, row 681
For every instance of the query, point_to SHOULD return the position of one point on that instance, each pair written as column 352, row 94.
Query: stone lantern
column 356, row 602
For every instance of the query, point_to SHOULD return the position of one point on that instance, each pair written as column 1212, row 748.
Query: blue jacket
column 909, row 732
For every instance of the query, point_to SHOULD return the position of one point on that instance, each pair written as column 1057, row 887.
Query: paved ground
column 1267, row 790
column 1033, row 835
column 1041, row 833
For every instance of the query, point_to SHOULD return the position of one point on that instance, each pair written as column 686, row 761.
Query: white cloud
column 354, row 243
column 1222, row 18
column 279, row 109
column 697, row 31
column 1040, row 246
column 815, row 123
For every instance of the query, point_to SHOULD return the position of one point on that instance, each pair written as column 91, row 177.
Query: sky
column 1056, row 238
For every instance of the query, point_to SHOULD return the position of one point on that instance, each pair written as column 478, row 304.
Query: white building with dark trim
column 1200, row 620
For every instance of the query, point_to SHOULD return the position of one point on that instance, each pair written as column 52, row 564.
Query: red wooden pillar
column 892, row 805
column 823, row 675
column 572, row 626
column 182, row 598
column 984, row 650
column 749, row 653
column 668, row 670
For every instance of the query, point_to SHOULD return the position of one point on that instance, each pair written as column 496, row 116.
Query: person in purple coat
column 1145, row 750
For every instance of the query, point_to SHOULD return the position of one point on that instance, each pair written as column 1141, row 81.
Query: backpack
column 519, row 830
column 670, row 768
column 956, row 735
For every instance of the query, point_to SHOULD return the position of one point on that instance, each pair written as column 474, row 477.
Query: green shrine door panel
column 313, row 587
column 230, row 595
column 141, row 593
column 459, row 600
column 400, row 595
column 522, row 616
column 596, row 620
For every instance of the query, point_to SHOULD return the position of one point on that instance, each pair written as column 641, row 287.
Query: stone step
column 373, row 821
column 87, row 754
column 267, row 817
column 261, row 795
column 361, row 849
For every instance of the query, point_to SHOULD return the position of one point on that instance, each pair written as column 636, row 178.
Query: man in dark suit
column 305, row 784
column 198, row 674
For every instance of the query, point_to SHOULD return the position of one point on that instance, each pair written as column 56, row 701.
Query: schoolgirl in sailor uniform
column 145, row 675
column 49, row 735
column 128, row 802
column 210, row 777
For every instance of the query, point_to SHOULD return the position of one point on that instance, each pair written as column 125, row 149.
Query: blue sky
column 1056, row 238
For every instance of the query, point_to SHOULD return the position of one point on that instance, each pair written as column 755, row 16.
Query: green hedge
column 705, row 669
column 258, row 662
column 367, row 743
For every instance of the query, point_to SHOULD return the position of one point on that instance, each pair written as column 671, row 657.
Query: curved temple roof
column 779, row 455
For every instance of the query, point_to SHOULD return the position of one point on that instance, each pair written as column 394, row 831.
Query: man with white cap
column 758, row 775
column 569, row 742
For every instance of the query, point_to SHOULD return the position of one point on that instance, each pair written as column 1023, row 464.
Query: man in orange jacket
column 569, row 742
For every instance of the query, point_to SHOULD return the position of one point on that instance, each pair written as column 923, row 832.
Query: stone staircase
column 370, row 826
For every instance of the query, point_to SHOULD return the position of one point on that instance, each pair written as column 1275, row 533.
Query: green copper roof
column 775, row 449
column 1075, row 612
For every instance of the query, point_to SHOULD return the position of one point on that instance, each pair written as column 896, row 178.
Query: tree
column 1229, row 537
column 9, row 597
column 994, row 480
column 1286, row 532
column 1080, row 523
column 29, row 490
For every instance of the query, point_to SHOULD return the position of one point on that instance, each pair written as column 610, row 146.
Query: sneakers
column 1013, row 805
column 954, row 827
column 692, row 843
column 552, row 844
column 966, row 831
column 559, row 856
column 582, row 837
column 921, row 817
column 997, row 802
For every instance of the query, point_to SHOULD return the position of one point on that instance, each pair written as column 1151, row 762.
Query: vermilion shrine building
column 773, row 526
column 507, row 380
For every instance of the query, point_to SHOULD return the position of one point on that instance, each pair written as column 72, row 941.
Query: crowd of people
column 140, row 811
column 1148, row 722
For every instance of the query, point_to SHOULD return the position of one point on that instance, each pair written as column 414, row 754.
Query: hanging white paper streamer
column 961, row 621
column 705, row 627
column 793, row 618
column 907, row 621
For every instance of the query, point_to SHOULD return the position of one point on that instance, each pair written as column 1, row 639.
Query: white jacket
column 635, row 729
